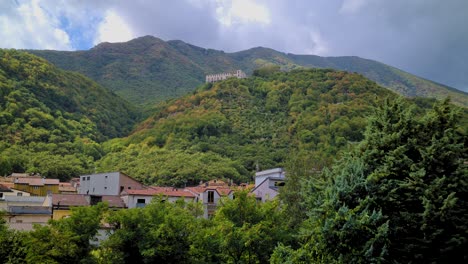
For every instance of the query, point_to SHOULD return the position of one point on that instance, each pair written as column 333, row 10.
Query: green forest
column 48, row 112
column 399, row 196
column 372, row 177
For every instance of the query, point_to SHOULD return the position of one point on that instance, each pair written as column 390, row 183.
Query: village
column 31, row 199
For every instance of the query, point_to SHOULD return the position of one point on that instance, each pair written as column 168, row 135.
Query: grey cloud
column 425, row 37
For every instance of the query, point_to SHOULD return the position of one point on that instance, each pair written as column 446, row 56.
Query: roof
column 69, row 200
column 37, row 181
column 66, row 187
column 270, row 171
column 4, row 188
column 165, row 191
column 113, row 201
column 25, row 199
column 29, row 209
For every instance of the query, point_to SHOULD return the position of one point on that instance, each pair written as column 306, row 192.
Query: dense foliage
column 46, row 112
column 232, row 128
column 400, row 197
column 148, row 70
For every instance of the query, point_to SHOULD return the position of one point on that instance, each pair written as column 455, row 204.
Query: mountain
column 52, row 120
column 147, row 70
column 231, row 128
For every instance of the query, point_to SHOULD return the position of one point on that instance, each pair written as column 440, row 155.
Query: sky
column 428, row 38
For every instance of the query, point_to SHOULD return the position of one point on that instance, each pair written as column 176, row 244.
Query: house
column 6, row 189
column 267, row 183
column 66, row 188
column 210, row 194
column 140, row 198
column 109, row 183
column 61, row 204
column 35, row 185
column 22, row 212
column 225, row 75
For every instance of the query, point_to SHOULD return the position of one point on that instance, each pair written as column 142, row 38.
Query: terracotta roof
column 37, row 181
column 113, row 201
column 196, row 189
column 4, row 188
column 69, row 200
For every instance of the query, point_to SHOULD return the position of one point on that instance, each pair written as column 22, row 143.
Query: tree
column 400, row 197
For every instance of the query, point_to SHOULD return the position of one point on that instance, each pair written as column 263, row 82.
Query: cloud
column 28, row 25
column 425, row 37
column 113, row 29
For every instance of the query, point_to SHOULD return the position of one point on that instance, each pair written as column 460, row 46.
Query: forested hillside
column 52, row 121
column 147, row 70
column 232, row 128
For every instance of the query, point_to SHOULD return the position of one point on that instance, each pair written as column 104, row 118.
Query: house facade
column 223, row 76
column 141, row 198
column 36, row 186
column 268, row 183
column 109, row 183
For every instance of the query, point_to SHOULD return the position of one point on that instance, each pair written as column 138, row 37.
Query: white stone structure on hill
column 223, row 76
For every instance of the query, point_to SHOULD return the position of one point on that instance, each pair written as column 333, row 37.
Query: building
column 267, row 183
column 210, row 194
column 61, row 204
column 223, row 76
column 66, row 188
column 140, row 198
column 22, row 212
column 109, row 183
column 36, row 186
column 6, row 189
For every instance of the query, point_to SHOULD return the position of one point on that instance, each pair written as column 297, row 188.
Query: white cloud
column 242, row 11
column 113, row 29
column 26, row 25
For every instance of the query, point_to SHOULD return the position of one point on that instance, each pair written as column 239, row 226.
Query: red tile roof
column 69, row 200
column 113, row 201
column 4, row 188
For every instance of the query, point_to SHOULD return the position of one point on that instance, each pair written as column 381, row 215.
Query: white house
column 140, row 198
column 210, row 194
column 267, row 183
column 109, row 183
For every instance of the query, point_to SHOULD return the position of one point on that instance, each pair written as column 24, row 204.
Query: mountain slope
column 148, row 70
column 52, row 120
column 231, row 128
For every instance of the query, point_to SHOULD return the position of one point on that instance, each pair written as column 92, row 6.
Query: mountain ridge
column 148, row 70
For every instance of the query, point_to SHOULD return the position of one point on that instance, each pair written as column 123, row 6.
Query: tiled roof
column 69, row 200
column 4, row 188
column 113, row 201
column 37, row 181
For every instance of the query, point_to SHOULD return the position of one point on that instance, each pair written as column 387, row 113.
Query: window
column 105, row 188
column 1, row 195
column 122, row 188
column 141, row 203
column 19, row 221
column 88, row 178
column 83, row 178
column 106, row 177
column 210, row 196
column 19, row 194
column 129, row 187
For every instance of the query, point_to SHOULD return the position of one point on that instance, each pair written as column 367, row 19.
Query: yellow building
column 36, row 186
